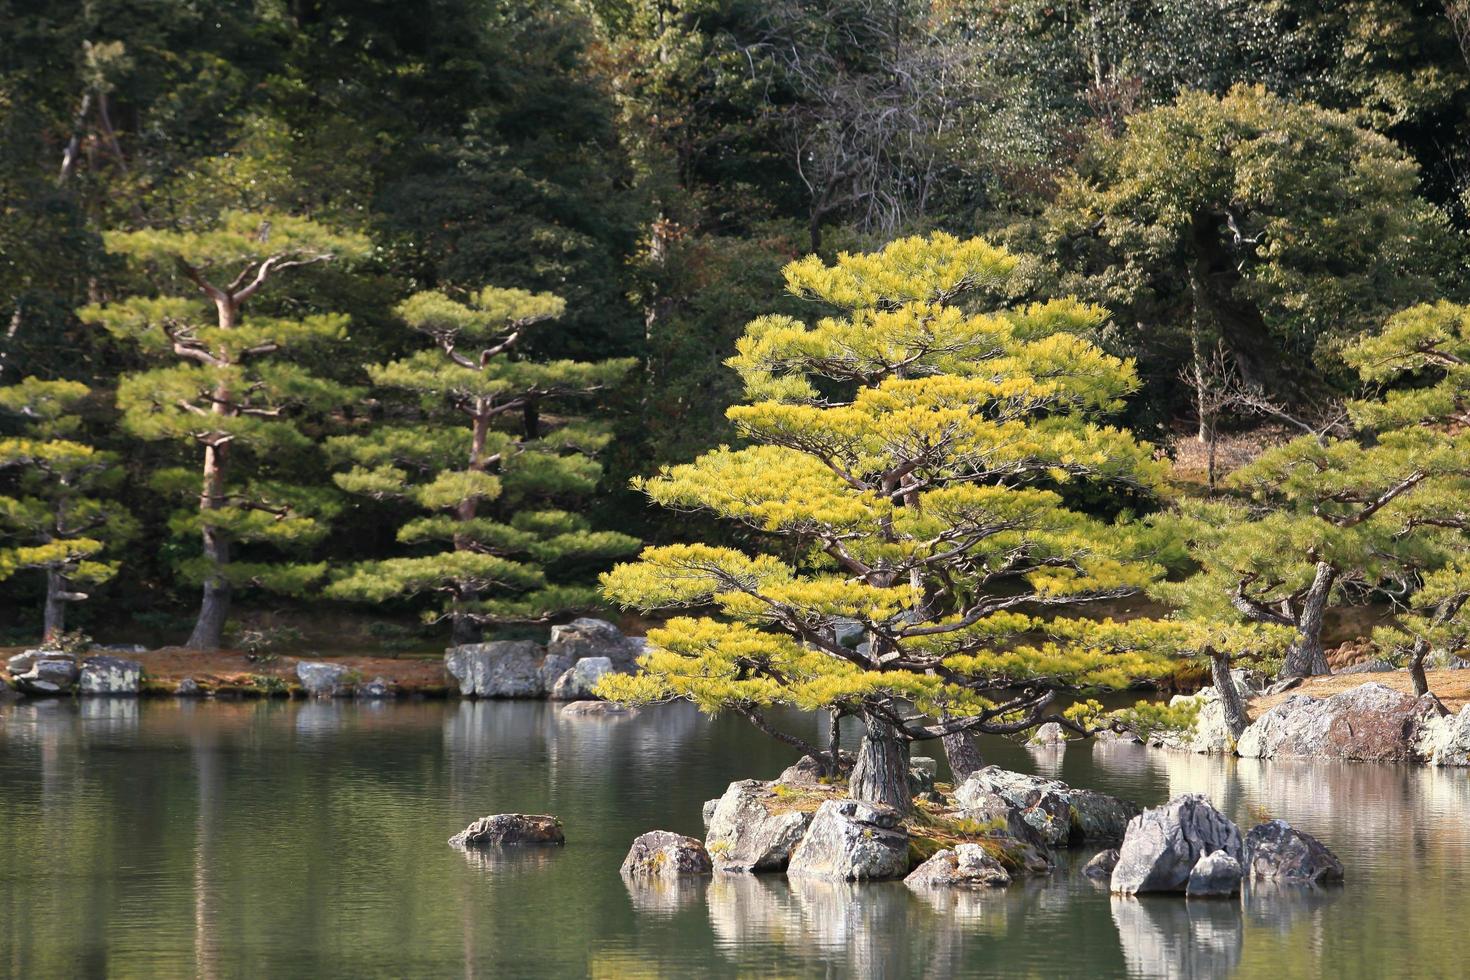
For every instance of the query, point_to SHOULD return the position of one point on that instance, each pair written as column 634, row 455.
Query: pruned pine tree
column 60, row 519
column 913, row 453
column 498, row 476
column 232, row 387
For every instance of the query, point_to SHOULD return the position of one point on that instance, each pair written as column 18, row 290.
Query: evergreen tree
column 497, row 475
column 915, row 460
column 226, row 395
column 60, row 517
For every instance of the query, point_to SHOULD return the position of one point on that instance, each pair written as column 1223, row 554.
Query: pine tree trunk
column 54, row 623
column 1306, row 656
column 963, row 753
column 1235, row 714
column 209, row 628
column 465, row 630
column 1417, row 657
column 881, row 774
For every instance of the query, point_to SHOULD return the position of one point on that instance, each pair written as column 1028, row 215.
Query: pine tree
column 60, row 517
column 498, row 477
column 916, row 457
column 226, row 394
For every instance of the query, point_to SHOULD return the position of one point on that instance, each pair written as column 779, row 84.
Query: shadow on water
column 170, row 838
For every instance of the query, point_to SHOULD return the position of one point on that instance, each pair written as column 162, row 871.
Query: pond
column 169, row 838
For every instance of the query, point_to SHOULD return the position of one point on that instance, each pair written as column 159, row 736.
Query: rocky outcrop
column 1371, row 723
column 577, row 682
column 663, row 854
column 44, row 672
column 1216, row 875
column 965, row 866
column 110, row 677
column 1100, row 868
column 588, row 637
column 1060, row 814
column 499, row 669
column 323, row 680
column 1445, row 740
column 744, row 835
column 597, row 709
column 849, row 840
column 503, row 829
column 1162, row 845
column 1210, row 733
column 1276, row 851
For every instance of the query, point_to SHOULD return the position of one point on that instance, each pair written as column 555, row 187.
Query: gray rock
column 189, row 688
column 921, row 780
column 322, row 680
column 1162, row 845
column 44, row 672
column 1445, row 740
column 1050, row 734
column 1110, row 737
column 510, row 828
column 589, row 637
column 22, row 662
column 1216, row 875
column 1370, row 723
column 707, row 812
column 377, row 689
column 662, row 854
column 597, row 709
column 966, row 866
column 579, row 680
column 808, row 771
column 1100, row 868
column 117, row 648
column 745, row 836
column 1210, row 734
column 499, row 669
column 110, row 676
column 849, row 840
column 1276, row 851
column 1369, row 667
column 1060, row 814
column 553, row 666
column 848, row 632
column 993, row 811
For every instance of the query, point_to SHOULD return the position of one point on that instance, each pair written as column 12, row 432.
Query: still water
column 270, row 839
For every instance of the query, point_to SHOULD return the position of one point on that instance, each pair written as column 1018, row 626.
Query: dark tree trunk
column 465, row 630
column 209, row 628
column 963, row 753
column 54, row 623
column 1417, row 656
column 1235, row 715
column 881, row 774
column 1306, row 656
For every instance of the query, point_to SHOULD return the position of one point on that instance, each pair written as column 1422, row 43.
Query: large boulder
column 577, row 682
column 44, row 672
column 1162, row 845
column 1445, row 740
column 323, row 680
column 849, row 840
column 1216, row 875
column 502, row 829
column 1061, row 814
column 499, row 669
column 1277, row 851
column 1210, row 733
column 966, row 866
column 744, row 835
column 589, row 637
column 662, row 854
column 110, row 676
column 1371, row 723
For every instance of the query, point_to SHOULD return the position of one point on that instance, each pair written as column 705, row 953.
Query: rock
column 1445, row 740
column 848, row 632
column 133, row 648
column 991, row 810
column 1371, row 723
column 662, row 854
column 1369, row 667
column 1050, row 734
column 1162, row 845
column 322, row 680
column 597, row 709
column 44, row 672
column 377, row 689
column 1060, row 814
column 110, row 676
column 1285, row 684
column 966, row 866
column 849, row 840
column 510, row 828
column 925, row 764
column 1216, row 875
column 499, row 669
column 1276, row 851
column 1109, row 737
column 189, row 688
column 588, row 637
column 745, row 836
column 808, row 771
column 577, row 683
column 553, row 666
column 921, row 778
column 708, row 811
column 1100, row 868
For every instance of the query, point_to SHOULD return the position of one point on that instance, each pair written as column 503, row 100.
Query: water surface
column 252, row 839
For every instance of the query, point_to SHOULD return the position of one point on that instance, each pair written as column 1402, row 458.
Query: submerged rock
column 966, row 866
column 597, row 709
column 745, row 836
column 1100, row 868
column 577, row 682
column 322, row 680
column 1371, row 723
column 849, row 840
column 1216, row 875
column 510, row 828
column 1162, row 845
column 1445, row 740
column 110, row 676
column 499, row 669
column 1061, row 814
column 663, row 854
column 1277, row 851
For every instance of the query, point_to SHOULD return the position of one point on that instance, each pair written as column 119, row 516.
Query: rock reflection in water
column 1169, row 937
column 664, row 897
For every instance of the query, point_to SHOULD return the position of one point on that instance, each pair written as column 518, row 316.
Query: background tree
column 912, row 465
column 61, row 515
column 497, row 473
column 226, row 396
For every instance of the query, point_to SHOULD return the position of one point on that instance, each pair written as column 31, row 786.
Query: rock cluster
column 52, row 672
column 1057, row 813
column 966, row 866
column 577, row 656
column 503, row 829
